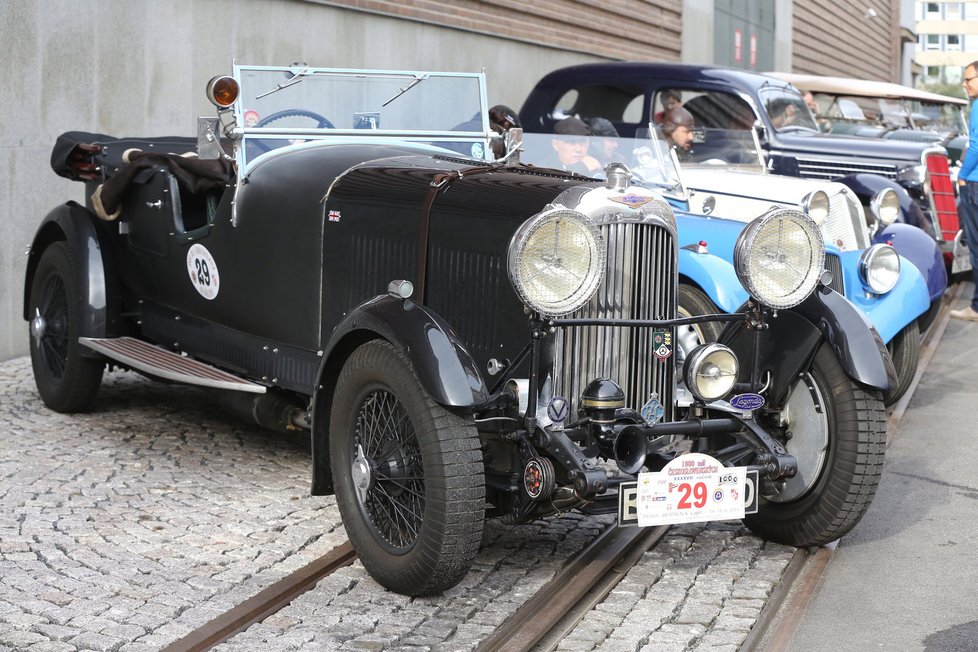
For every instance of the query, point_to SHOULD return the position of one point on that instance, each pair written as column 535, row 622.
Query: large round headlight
column 556, row 261
column 710, row 371
column 816, row 205
column 879, row 268
column 779, row 257
column 885, row 206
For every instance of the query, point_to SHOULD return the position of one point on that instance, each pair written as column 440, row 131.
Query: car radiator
column 831, row 169
column 639, row 283
column 845, row 226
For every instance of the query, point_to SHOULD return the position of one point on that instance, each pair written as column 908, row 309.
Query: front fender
column 715, row 276
column 792, row 338
column 444, row 366
column 75, row 225
column 922, row 251
column 891, row 312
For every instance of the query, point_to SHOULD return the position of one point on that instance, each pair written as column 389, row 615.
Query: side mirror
column 513, row 144
column 760, row 130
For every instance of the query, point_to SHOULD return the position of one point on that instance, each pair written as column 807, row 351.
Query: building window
column 933, row 42
column 953, row 43
column 933, row 11
column 971, row 11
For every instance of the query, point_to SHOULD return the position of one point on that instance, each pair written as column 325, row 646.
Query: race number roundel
column 203, row 271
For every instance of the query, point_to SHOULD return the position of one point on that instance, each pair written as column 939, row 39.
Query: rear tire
column 408, row 474
column 904, row 349
column 66, row 380
column 839, row 439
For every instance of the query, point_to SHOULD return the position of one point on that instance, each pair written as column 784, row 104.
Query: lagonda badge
column 632, row 200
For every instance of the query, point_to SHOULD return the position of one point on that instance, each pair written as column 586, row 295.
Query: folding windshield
column 279, row 106
column 647, row 156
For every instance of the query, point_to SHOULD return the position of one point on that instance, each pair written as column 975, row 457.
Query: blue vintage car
column 713, row 203
column 630, row 95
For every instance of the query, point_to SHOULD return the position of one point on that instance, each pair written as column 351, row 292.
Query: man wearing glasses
column 968, row 190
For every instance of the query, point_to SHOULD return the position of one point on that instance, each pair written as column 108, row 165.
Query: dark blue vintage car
column 630, row 95
column 461, row 337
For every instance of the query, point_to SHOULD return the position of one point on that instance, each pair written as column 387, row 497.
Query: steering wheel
column 321, row 123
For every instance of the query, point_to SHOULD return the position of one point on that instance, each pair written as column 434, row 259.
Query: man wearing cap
column 570, row 143
column 677, row 126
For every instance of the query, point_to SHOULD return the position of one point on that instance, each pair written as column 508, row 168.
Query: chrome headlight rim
column 525, row 261
column 879, row 268
column 755, row 257
column 885, row 206
column 816, row 206
column 704, row 365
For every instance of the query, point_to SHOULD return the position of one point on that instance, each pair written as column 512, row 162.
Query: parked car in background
column 462, row 338
column 876, row 109
column 629, row 94
column 714, row 201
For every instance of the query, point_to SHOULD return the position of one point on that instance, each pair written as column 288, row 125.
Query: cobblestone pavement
column 129, row 527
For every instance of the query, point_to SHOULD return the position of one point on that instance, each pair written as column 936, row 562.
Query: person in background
column 570, row 143
column 250, row 118
column 669, row 100
column 677, row 127
column 823, row 124
column 968, row 190
column 607, row 143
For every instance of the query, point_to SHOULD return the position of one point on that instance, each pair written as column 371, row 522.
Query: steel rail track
column 586, row 580
column 265, row 603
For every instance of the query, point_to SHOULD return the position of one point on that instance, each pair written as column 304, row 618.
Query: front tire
column 904, row 349
column 838, row 435
column 692, row 303
column 409, row 476
column 66, row 380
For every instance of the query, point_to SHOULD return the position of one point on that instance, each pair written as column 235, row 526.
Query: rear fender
column 792, row 338
column 446, row 369
column 76, row 226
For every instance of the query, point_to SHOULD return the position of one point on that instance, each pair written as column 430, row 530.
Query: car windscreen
column 786, row 109
column 281, row 106
column 647, row 157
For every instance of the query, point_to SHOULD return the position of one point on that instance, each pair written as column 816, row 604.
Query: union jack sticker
column 334, row 216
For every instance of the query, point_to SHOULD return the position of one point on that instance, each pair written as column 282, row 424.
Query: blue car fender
column 921, row 250
column 891, row 312
column 865, row 186
column 715, row 276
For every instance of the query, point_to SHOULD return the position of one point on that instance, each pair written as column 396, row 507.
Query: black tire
column 66, row 379
column 694, row 302
column 904, row 349
column 838, row 433
column 418, row 528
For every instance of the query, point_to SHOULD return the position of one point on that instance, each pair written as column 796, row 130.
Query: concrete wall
column 139, row 67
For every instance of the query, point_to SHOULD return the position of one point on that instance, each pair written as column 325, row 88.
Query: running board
column 159, row 362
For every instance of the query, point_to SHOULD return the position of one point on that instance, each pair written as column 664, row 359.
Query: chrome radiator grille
column 845, row 226
column 834, row 265
column 640, row 283
column 814, row 168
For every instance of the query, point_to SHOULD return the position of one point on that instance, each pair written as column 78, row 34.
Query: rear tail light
column 942, row 195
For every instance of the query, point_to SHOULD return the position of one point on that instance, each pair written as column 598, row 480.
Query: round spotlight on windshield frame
column 779, row 258
column 222, row 91
column 710, row 371
column 816, row 206
column 885, row 206
column 556, row 261
column 879, row 268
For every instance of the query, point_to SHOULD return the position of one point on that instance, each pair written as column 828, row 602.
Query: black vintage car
column 337, row 252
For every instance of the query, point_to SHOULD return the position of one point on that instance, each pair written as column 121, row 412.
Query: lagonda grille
column 834, row 266
column 640, row 283
column 829, row 170
column 845, row 226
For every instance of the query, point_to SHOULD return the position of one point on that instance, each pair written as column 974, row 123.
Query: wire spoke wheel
column 408, row 474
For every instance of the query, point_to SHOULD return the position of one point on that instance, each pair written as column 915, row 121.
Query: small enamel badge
column 333, row 216
column 662, row 344
column 632, row 200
